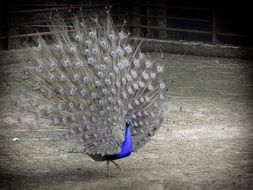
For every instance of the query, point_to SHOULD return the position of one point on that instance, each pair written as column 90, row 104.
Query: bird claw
column 117, row 166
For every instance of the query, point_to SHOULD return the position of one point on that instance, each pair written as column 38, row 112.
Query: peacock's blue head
column 129, row 122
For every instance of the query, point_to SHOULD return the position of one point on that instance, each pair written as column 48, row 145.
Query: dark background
column 205, row 22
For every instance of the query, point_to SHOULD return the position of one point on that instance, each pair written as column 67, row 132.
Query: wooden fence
column 205, row 23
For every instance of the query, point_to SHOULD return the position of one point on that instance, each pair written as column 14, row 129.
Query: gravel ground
column 205, row 142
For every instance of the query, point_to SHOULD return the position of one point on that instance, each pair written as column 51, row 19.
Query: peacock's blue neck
column 126, row 147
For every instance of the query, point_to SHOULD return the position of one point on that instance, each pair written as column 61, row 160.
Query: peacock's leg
column 108, row 168
column 117, row 166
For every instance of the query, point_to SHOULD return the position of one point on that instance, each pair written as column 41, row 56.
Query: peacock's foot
column 108, row 168
column 117, row 166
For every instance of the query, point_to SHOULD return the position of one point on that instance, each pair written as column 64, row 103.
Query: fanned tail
column 85, row 83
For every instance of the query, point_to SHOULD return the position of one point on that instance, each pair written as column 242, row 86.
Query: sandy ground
column 205, row 142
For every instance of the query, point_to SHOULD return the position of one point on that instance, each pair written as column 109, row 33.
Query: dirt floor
column 205, row 142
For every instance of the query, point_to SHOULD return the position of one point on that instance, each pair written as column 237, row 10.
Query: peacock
column 98, row 93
